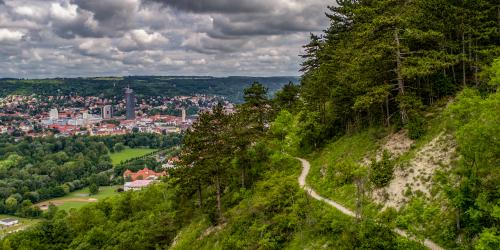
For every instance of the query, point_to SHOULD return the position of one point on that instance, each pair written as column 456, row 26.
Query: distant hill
column 230, row 87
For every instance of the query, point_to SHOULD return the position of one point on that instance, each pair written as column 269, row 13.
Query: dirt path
column 306, row 166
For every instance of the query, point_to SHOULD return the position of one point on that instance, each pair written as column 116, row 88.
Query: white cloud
column 139, row 39
column 65, row 13
column 10, row 35
column 201, row 61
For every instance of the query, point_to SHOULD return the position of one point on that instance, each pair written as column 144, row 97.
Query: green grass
column 23, row 224
column 67, row 202
column 190, row 234
column 129, row 153
column 349, row 147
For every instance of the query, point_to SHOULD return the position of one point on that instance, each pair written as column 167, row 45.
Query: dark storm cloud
column 110, row 13
column 40, row 38
column 93, row 18
column 248, row 25
column 255, row 17
column 217, row 6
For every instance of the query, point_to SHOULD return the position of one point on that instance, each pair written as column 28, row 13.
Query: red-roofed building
column 64, row 129
column 144, row 174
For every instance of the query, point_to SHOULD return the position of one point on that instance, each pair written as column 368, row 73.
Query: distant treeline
column 230, row 87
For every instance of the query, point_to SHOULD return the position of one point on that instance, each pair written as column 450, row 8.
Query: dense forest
column 382, row 62
column 381, row 67
column 108, row 87
column 36, row 169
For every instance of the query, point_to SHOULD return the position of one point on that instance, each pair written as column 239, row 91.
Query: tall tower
column 183, row 115
column 130, row 103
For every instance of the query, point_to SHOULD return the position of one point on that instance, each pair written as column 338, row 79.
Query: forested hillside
column 398, row 113
column 383, row 62
column 108, row 87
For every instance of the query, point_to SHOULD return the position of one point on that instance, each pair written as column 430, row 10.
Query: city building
column 54, row 114
column 183, row 115
column 107, row 112
column 130, row 103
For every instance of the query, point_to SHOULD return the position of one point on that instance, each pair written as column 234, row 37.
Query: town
column 67, row 115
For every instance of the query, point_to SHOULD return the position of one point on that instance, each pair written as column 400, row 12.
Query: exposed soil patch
column 416, row 176
column 396, row 144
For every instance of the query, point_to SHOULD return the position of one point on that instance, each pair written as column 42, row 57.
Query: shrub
column 416, row 127
column 381, row 171
column 94, row 189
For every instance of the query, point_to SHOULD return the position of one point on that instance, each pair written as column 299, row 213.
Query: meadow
column 129, row 153
column 79, row 198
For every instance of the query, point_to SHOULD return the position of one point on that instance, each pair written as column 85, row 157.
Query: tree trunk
column 243, row 172
column 476, row 67
column 387, row 110
column 453, row 72
column 463, row 59
column 359, row 198
column 401, row 87
column 200, row 198
column 218, row 196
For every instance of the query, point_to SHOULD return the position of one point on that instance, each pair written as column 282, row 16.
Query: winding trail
column 306, row 166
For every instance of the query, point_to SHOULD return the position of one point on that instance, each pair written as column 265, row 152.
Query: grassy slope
column 128, row 154
column 349, row 147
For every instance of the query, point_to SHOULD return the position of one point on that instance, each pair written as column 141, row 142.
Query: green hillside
column 398, row 121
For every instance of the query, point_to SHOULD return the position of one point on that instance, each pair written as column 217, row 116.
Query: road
column 306, row 166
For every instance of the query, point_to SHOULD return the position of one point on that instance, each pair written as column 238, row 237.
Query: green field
column 128, row 154
column 79, row 198
column 23, row 224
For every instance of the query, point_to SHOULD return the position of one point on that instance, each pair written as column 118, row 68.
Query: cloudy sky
column 49, row 38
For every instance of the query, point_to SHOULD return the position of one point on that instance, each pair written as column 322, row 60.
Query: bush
column 381, row 171
column 416, row 127
column 119, row 147
column 343, row 172
column 94, row 189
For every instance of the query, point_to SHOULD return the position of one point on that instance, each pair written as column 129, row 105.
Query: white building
column 137, row 185
column 86, row 116
column 54, row 114
column 8, row 222
column 107, row 112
